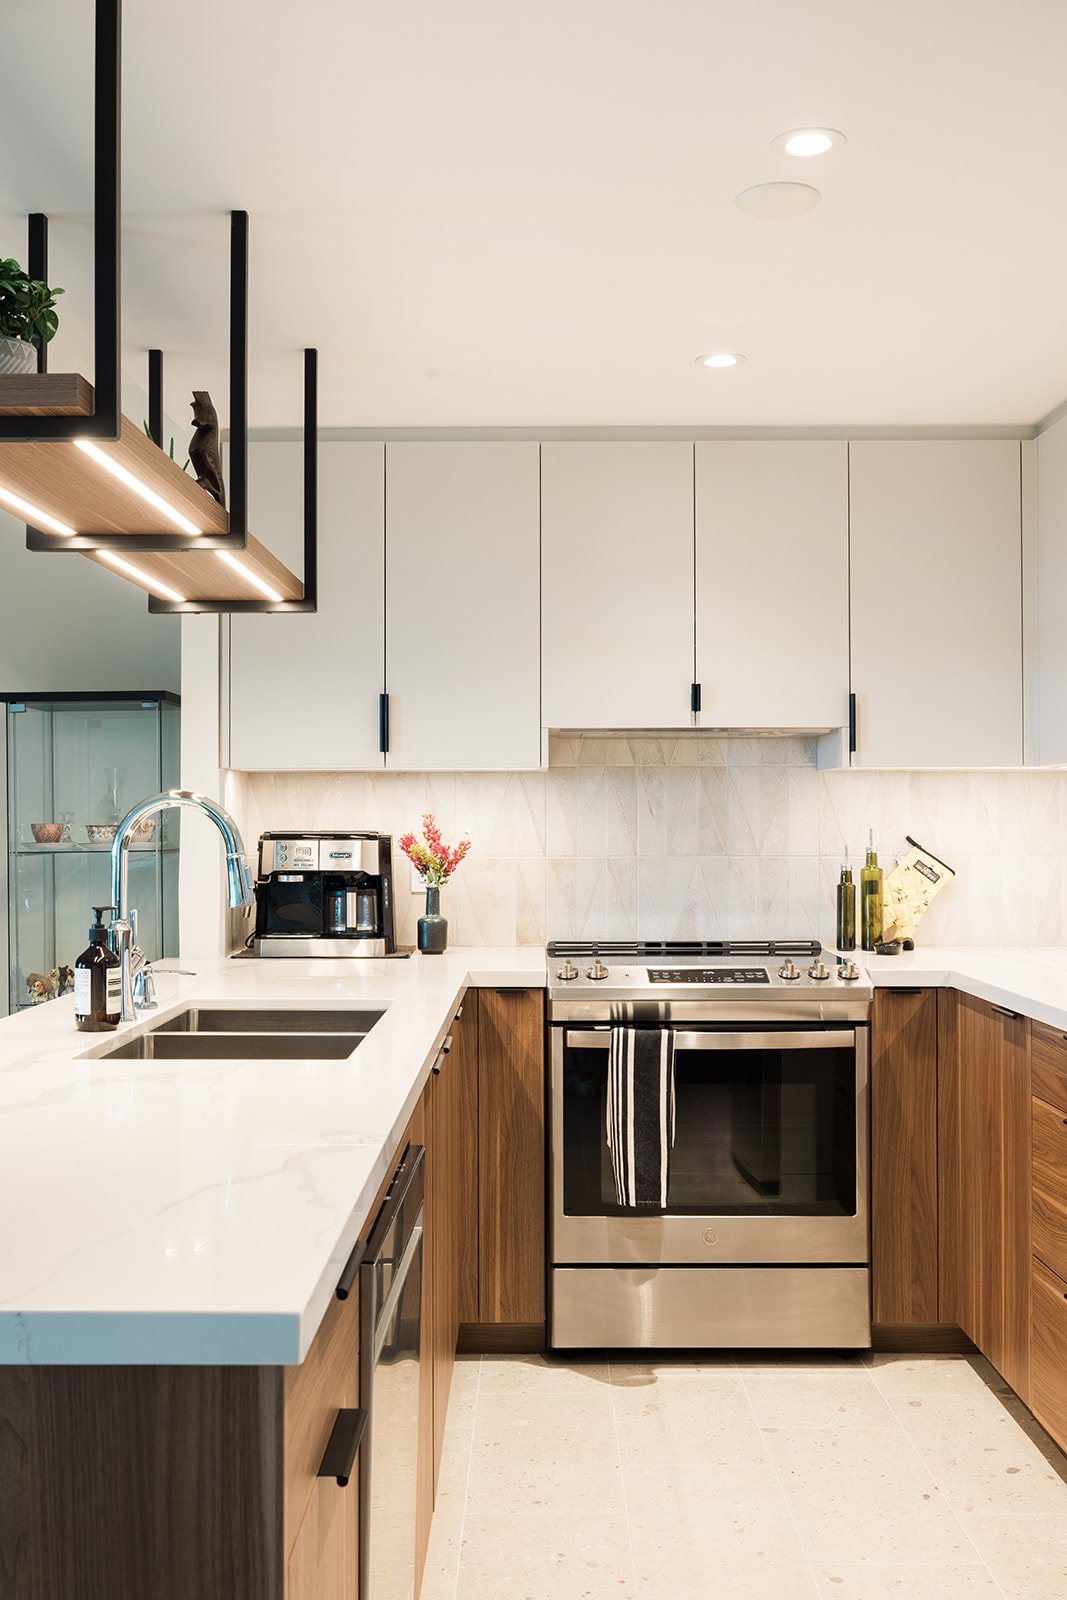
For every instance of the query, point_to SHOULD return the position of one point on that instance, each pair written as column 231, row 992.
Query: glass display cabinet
column 76, row 763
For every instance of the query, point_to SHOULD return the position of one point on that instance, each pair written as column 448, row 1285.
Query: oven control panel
column 708, row 975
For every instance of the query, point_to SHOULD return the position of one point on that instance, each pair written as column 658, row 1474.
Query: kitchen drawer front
column 1050, row 1185
column 325, row 1382
column 1048, row 1052
column 1048, row 1375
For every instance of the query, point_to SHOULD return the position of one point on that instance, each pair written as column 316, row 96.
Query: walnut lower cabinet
column 904, row 1224
column 986, row 1168
column 1048, row 1347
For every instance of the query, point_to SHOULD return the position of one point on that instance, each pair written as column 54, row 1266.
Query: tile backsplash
column 696, row 836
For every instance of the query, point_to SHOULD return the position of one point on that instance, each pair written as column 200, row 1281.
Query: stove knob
column 567, row 972
column 788, row 972
column 849, row 972
column 818, row 971
column 598, row 971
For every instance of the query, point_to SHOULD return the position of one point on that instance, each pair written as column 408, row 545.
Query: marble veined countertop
column 188, row 1212
column 201, row 1212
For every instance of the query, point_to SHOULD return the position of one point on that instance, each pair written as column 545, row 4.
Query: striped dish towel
column 640, row 1114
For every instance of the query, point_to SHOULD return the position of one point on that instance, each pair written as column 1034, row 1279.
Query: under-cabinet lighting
column 118, row 471
column 32, row 515
column 250, row 577
column 142, row 577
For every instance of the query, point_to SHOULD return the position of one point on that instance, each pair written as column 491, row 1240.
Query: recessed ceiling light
column 721, row 358
column 775, row 202
column 807, row 141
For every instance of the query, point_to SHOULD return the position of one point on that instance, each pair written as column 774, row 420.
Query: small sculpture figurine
column 204, row 446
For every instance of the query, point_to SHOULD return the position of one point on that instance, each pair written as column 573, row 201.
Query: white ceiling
column 490, row 214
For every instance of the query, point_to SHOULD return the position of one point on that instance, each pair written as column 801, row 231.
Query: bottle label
column 83, row 991
column 114, row 989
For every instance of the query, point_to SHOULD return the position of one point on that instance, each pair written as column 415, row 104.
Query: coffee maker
column 325, row 895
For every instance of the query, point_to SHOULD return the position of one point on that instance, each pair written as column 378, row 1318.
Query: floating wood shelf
column 59, row 478
column 72, row 486
column 45, row 394
column 205, row 575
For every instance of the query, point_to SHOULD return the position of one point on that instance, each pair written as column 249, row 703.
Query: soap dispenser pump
column 98, row 980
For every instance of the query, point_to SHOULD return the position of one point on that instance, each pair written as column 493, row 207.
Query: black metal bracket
column 37, row 266
column 309, row 602
column 165, row 543
column 106, row 419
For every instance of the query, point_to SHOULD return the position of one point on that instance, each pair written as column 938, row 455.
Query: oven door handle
column 807, row 1039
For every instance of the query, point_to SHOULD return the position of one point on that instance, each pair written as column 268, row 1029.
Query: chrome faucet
column 238, row 877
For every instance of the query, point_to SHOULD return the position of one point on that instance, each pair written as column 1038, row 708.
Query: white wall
column 66, row 624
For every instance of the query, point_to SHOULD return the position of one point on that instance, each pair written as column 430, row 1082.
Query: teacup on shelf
column 47, row 832
column 145, row 830
column 101, row 832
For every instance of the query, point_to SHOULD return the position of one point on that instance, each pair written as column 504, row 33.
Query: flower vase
column 433, row 927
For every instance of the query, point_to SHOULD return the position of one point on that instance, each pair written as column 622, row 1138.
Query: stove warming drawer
column 682, row 1308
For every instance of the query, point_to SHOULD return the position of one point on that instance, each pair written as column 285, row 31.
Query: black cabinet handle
column 343, row 1445
column 694, row 697
column 898, row 988
column 1002, row 1011
column 852, row 724
column 383, row 724
column 445, row 1048
column 352, row 1266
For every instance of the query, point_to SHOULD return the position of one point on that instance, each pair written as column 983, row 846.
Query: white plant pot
column 17, row 356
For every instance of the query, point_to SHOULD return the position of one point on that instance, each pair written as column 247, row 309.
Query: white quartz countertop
column 187, row 1212
column 184, row 1212
column 1032, row 981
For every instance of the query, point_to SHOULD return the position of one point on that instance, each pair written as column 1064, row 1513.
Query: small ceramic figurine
column 204, row 446
column 38, row 987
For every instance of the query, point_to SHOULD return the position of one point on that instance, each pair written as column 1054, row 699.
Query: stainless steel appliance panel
column 682, row 1308
column 390, row 1337
column 756, row 1237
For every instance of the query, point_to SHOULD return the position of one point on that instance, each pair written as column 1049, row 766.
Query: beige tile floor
column 760, row 1478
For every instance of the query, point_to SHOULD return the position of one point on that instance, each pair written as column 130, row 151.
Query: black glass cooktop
column 708, row 975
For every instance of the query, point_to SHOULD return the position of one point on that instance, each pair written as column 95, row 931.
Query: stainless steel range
column 764, row 1238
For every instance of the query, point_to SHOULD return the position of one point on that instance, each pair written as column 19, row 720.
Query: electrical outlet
column 418, row 882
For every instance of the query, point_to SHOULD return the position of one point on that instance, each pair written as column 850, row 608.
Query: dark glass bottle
column 98, row 981
column 871, row 897
column 846, row 909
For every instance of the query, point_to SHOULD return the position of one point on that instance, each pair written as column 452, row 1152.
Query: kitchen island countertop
column 201, row 1212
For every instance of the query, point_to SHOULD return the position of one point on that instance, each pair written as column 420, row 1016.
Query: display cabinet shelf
column 74, row 760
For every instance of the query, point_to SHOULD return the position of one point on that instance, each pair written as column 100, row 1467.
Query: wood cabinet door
column 511, row 1175
column 994, row 1186
column 304, row 689
column 904, row 1226
column 324, row 1560
column 936, row 602
column 463, row 606
column 772, row 583
column 617, row 593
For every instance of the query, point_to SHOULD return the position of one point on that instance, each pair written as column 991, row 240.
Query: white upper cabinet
column 304, row 689
column 462, row 606
column 772, row 584
column 936, row 548
column 616, row 584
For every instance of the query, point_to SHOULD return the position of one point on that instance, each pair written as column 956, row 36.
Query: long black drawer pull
column 1002, row 1011
column 352, row 1266
column 897, row 988
column 343, row 1445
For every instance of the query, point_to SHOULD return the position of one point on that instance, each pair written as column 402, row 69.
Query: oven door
column 770, row 1155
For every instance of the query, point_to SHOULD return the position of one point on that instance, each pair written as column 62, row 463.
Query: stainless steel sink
column 161, row 1045
column 224, row 1019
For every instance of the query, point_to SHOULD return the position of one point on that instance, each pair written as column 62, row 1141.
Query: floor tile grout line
column 816, row 1585
column 467, row 1481
column 949, row 1508
column 622, row 1481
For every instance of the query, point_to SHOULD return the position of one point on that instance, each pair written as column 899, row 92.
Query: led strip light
column 250, row 577
column 31, row 514
column 156, row 500
column 152, row 584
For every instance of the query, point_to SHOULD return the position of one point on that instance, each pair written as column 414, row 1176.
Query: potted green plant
column 27, row 318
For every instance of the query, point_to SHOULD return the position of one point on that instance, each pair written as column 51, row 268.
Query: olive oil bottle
column 871, row 897
column 846, row 909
